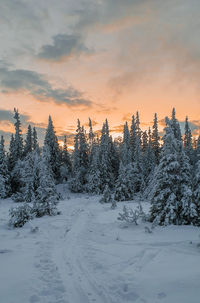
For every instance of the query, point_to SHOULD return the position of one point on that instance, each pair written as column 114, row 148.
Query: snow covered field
column 86, row 255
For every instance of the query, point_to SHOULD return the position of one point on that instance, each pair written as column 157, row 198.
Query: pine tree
column 18, row 140
column 196, row 185
column 51, row 141
column 105, row 157
column 148, row 160
column 156, row 140
column 4, row 174
column 35, row 140
column 125, row 183
column 28, row 147
column 144, row 141
column 80, row 163
column 164, row 201
column 138, row 131
column 188, row 142
column 126, row 149
column 46, row 194
column 172, row 198
column 94, row 173
column 11, row 155
column 133, row 136
column 66, row 167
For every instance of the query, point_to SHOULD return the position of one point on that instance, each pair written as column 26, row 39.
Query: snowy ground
column 86, row 255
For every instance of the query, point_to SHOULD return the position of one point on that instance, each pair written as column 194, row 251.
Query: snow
column 86, row 255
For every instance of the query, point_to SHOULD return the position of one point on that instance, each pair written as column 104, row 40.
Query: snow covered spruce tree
column 5, row 189
column 124, row 186
column 80, row 161
column 51, row 141
column 94, row 172
column 155, row 139
column 171, row 201
column 46, row 196
column 66, row 165
column 188, row 142
column 105, row 158
column 16, row 153
column 28, row 146
column 196, row 185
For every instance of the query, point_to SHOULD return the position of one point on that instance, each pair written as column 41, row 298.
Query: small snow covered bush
column 20, row 215
column 45, row 208
column 107, row 196
column 131, row 216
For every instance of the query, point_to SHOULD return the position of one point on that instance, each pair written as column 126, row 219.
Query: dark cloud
column 7, row 115
column 36, row 85
column 63, row 46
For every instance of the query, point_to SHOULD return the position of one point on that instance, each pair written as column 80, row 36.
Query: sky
column 98, row 59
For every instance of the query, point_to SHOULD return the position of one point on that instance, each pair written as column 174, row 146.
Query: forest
column 166, row 170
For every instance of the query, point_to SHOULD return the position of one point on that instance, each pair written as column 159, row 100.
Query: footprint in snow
column 161, row 295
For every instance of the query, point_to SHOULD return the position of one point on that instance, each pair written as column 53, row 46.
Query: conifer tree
column 105, row 156
column 46, row 194
column 35, row 140
column 18, row 140
column 11, row 155
column 133, row 136
column 156, row 140
column 172, row 198
column 80, row 163
column 51, row 141
column 188, row 142
column 126, row 148
column 94, row 172
column 66, row 167
column 28, row 146
column 4, row 174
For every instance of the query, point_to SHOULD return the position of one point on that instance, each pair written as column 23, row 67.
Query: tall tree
column 105, row 156
column 4, row 174
column 18, row 140
column 51, row 141
column 66, row 167
column 156, row 139
column 126, row 148
column 172, row 197
column 188, row 142
column 28, row 146
column 35, row 140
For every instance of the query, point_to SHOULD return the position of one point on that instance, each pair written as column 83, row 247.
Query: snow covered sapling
column 20, row 215
column 129, row 215
column 107, row 197
column 114, row 204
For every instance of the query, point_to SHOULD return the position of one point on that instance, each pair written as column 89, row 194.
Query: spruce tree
column 81, row 161
column 51, row 142
column 28, row 146
column 126, row 148
column 172, row 198
column 66, row 167
column 133, row 136
column 18, row 140
column 105, row 157
column 46, row 196
column 94, row 172
column 156, row 139
column 188, row 142
column 35, row 140
column 4, row 174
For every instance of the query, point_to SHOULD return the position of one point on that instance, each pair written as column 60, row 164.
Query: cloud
column 37, row 86
column 63, row 46
column 7, row 115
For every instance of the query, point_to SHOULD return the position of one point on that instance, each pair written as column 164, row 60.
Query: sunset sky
column 99, row 59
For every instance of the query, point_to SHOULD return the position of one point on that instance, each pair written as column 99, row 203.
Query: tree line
column 166, row 171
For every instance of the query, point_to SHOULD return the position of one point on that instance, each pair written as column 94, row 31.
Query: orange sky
column 103, row 59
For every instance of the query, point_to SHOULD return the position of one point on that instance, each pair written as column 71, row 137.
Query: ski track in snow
column 85, row 255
